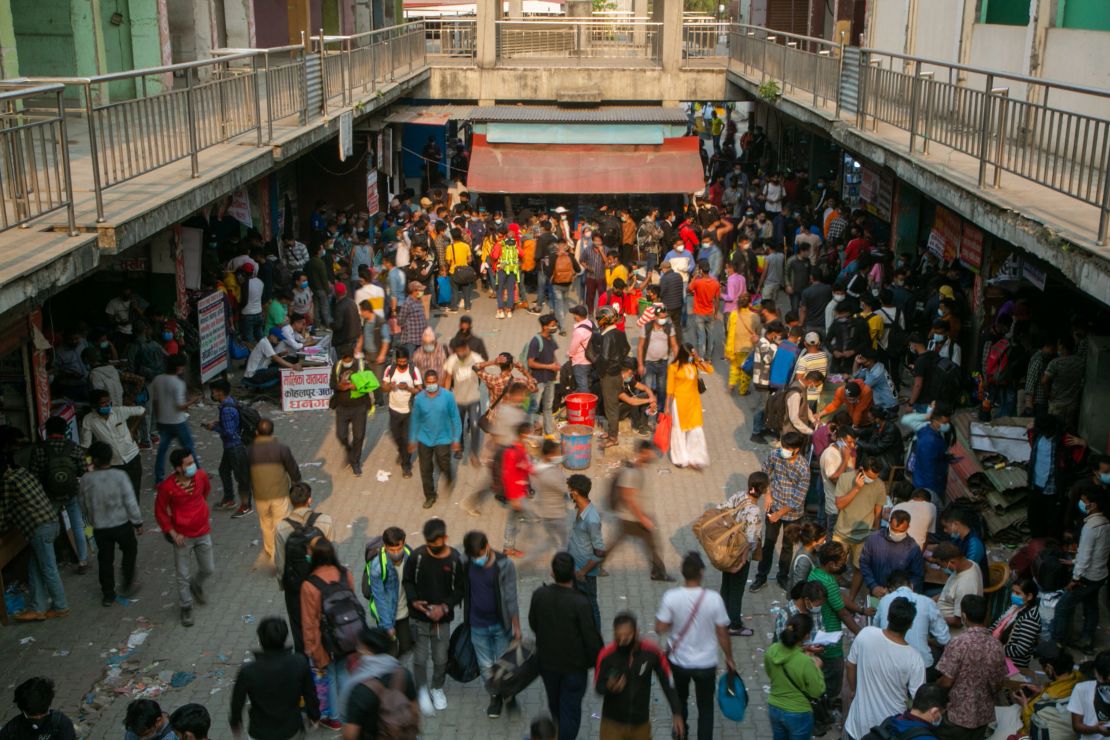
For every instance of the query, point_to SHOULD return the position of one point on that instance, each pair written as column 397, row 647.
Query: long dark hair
column 797, row 630
column 685, row 354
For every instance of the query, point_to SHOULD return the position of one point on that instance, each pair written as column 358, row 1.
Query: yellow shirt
column 458, row 254
column 620, row 271
column 875, row 328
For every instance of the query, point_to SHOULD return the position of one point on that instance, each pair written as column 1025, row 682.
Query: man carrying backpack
column 292, row 538
column 385, row 567
column 380, row 697
column 920, row 722
column 273, row 470
column 614, row 350
column 234, row 467
column 59, row 464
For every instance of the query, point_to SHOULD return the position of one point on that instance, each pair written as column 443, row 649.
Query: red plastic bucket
column 582, row 409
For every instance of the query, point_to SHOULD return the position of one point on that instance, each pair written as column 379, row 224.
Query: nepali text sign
column 944, row 239
column 971, row 247
column 303, row 390
column 212, row 326
column 372, row 203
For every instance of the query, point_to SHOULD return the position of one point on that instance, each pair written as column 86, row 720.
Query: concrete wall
column 888, row 25
column 938, row 29
column 1078, row 57
column 999, row 47
column 44, row 37
column 9, row 56
column 271, row 23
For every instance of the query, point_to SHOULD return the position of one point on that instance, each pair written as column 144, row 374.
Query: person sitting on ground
column 145, row 720
column 36, row 719
column 1046, row 708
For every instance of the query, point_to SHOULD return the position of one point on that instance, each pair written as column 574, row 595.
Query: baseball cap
column 340, row 289
column 579, row 310
column 425, row 202
column 559, row 209
column 247, row 268
column 947, row 292
column 275, row 332
column 812, row 338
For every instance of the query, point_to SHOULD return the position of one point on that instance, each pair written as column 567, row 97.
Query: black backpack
column 949, row 380
column 249, row 419
column 897, row 338
column 342, row 617
column 886, row 731
column 62, row 473
column 774, row 411
column 297, row 566
column 593, row 347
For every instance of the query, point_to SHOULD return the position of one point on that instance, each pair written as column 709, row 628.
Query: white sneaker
column 426, row 707
column 439, row 699
column 500, row 314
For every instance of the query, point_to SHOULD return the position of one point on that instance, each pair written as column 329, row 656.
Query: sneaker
column 187, row 616
column 439, row 699
column 27, row 615
column 131, row 589
column 512, row 552
column 331, row 724
column 508, row 314
column 198, row 593
column 427, row 708
column 741, row 631
column 493, row 711
column 82, row 568
column 500, row 314
column 242, row 511
column 757, row 584
column 535, row 310
column 225, row 505
column 407, row 473
column 357, row 470
column 758, row 439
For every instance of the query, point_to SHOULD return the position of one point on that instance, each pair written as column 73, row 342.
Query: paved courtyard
column 143, row 647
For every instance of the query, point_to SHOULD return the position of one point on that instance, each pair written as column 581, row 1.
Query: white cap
column 812, row 338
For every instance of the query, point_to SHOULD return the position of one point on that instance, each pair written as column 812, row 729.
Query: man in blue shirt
column 782, row 366
column 927, row 623
column 234, row 466
column 586, row 544
column 889, row 550
column 930, row 452
column 874, row 374
column 434, row 432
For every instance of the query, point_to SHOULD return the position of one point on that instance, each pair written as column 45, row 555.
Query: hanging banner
column 181, row 297
column 944, row 239
column 876, row 191
column 240, row 207
column 372, row 192
column 346, row 137
column 971, row 247
column 1035, row 275
column 212, row 330
column 305, row 390
column 385, row 152
column 39, row 363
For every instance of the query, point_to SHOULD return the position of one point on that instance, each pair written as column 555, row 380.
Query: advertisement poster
column 240, row 207
column 944, row 239
column 305, row 390
column 876, row 190
column 372, row 192
column 971, row 248
column 212, row 329
column 346, row 135
column 191, row 241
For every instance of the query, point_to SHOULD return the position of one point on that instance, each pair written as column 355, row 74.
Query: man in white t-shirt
column 459, row 378
column 401, row 381
column 698, row 623
column 168, row 398
column 252, row 321
column 265, row 361
column 964, row 579
column 883, row 670
column 923, row 515
column 838, row 459
column 1088, row 706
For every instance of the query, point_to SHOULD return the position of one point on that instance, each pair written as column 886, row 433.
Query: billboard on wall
column 212, row 330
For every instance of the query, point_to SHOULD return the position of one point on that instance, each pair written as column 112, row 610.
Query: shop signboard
column 240, row 207
column 346, row 135
column 971, row 247
column 305, row 390
column 876, row 191
column 944, row 239
column 212, row 329
column 372, row 192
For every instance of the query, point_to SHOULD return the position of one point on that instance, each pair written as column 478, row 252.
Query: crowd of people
column 851, row 361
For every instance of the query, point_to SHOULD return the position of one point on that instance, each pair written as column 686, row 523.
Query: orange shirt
column 707, row 291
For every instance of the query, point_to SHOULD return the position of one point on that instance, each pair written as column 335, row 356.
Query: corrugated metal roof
column 553, row 114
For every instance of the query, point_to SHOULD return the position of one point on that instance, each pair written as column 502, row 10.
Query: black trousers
column 235, row 468
column 293, row 609
column 610, row 399
column 1044, row 515
column 134, row 470
column 106, row 542
column 786, row 555
column 350, row 430
column 732, row 592
column 705, row 691
column 399, row 430
column 430, row 458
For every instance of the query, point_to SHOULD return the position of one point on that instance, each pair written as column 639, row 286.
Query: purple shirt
column 735, row 287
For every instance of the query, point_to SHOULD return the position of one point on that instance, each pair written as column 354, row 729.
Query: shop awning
column 671, row 167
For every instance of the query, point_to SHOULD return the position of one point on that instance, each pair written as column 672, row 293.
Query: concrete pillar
column 9, row 57
column 1042, row 16
column 580, row 8
column 640, row 8
column 669, row 13
column 967, row 26
column 239, row 23
column 146, row 37
column 485, row 42
column 88, row 37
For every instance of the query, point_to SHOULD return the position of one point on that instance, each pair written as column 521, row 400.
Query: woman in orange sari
column 688, row 446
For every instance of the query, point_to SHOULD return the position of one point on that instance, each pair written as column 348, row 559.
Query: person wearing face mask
column 928, row 627
column 806, row 597
column 924, row 716
column 747, row 511
column 656, row 347
column 1044, row 709
column 382, row 579
column 930, row 452
column 181, row 509
column 972, row 669
column 889, row 550
column 1089, row 572
column 1089, row 704
column 788, row 471
column 108, row 423
column 1019, row 627
column 742, row 336
column 859, row 501
column 836, row 614
column 431, row 355
column 964, row 579
column 291, row 561
column 434, row 431
column 796, row 680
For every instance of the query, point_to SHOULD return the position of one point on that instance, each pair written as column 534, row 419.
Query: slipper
column 742, row 632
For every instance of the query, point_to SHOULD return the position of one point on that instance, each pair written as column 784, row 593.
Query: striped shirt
column 808, row 362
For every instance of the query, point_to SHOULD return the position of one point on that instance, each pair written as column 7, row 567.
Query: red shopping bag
column 662, row 438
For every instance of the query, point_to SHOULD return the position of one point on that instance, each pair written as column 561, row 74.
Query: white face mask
column 680, row 248
column 839, row 297
column 896, row 536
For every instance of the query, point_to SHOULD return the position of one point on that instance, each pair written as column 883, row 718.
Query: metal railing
column 705, row 43
column 359, row 62
column 451, row 38
column 34, row 156
column 566, row 39
column 798, row 63
column 282, row 82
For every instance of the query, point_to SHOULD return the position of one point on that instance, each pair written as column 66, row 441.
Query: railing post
column 94, row 155
column 304, row 80
column 348, row 90
column 323, row 73
column 190, row 110
column 915, row 93
column 1000, row 148
column 257, row 102
column 63, row 144
column 269, row 99
column 839, row 77
column 984, row 129
column 763, row 66
column 816, row 74
column 1104, row 209
column 861, row 106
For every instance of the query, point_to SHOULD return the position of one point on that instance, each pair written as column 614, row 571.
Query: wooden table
column 12, row 543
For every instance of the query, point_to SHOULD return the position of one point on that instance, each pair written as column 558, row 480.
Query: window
column 1005, row 12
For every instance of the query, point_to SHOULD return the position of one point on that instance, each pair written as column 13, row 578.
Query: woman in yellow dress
column 742, row 335
column 688, row 446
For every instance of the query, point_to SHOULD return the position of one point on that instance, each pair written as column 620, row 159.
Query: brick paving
column 75, row 651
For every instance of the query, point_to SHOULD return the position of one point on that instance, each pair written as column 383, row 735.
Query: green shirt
column 834, row 602
column 275, row 316
column 795, row 678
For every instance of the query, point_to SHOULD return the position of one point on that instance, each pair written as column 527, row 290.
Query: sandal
column 742, row 632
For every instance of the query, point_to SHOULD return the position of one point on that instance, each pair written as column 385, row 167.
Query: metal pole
column 257, row 102
column 984, row 131
column 861, row 95
column 269, row 100
column 189, row 110
column 66, row 173
column 94, row 154
column 915, row 94
column 304, row 81
column 839, row 78
column 1000, row 148
column 816, row 72
column 323, row 73
column 1104, row 209
column 348, row 94
column 763, row 66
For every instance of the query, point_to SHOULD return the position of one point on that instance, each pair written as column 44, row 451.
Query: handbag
column 732, row 696
column 673, row 645
column 464, row 275
column 484, row 422
column 514, row 671
column 701, row 385
column 662, row 436
column 822, row 715
column 749, row 363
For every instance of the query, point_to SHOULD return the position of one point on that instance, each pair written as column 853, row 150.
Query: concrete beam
column 1090, row 272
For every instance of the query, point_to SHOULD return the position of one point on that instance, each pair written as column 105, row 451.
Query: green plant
column 601, row 6
column 770, row 91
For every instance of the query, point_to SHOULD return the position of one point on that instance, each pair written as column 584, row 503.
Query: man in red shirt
column 858, row 245
column 706, row 290
column 516, row 466
column 181, row 509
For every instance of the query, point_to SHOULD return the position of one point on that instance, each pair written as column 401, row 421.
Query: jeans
column 771, row 530
column 655, row 377
column 430, row 640
column 542, row 284
column 651, row 260
column 490, row 643
column 565, row 692
column 430, row 458
column 77, row 524
column 1086, row 593
column 350, row 430
column 562, row 296
column 703, row 335
column 588, row 586
column 759, row 425
column 42, row 570
column 545, row 393
column 705, row 692
column 235, row 468
column 463, row 294
column 321, row 300
column 732, row 592
column 399, row 430
column 169, row 433
column 106, row 541
column 469, row 413
column 790, row 725
column 202, row 547
column 250, row 327
column 329, row 682
column 517, row 517
column 594, row 288
column 506, row 290
column 581, row 375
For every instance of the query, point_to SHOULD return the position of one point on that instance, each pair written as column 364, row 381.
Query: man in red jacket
column 181, row 509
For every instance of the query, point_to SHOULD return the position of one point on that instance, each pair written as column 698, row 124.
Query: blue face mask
column 190, row 470
column 432, row 387
column 945, row 428
column 948, row 571
column 1083, row 506
column 1017, row 600
column 304, row 284
column 105, row 410
column 167, row 336
column 481, row 562
column 1104, row 478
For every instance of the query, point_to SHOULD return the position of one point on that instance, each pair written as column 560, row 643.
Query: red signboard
column 971, row 247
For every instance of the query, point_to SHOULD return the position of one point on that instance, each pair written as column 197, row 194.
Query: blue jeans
column 490, row 643
column 469, row 413
column 588, row 586
column 169, row 433
column 42, row 570
column 565, row 692
column 562, row 296
column 790, row 725
column 703, row 335
column 542, row 401
column 655, row 377
column 77, row 523
column 581, row 378
column 250, row 327
column 329, row 683
column 506, row 289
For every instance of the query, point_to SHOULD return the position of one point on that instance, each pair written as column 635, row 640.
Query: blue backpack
column 732, row 696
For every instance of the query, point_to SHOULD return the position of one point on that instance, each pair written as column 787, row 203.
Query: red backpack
column 998, row 362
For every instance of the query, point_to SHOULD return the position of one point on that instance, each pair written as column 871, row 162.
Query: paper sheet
column 827, row 638
column 1012, row 442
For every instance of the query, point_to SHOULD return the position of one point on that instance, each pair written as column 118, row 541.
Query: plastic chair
column 997, row 593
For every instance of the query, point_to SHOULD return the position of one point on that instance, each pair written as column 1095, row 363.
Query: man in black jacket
column 567, row 643
column 623, row 678
column 614, row 350
column 672, row 293
column 275, row 682
column 350, row 406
